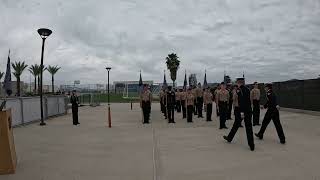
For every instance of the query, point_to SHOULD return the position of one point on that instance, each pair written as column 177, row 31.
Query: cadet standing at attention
column 223, row 100
column 178, row 101
column 171, row 100
column 255, row 101
column 183, row 95
column 208, row 99
column 189, row 104
column 199, row 93
column 272, row 113
column 145, row 103
column 74, row 100
column 244, row 103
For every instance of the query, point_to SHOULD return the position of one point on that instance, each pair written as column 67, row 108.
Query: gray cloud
column 270, row 40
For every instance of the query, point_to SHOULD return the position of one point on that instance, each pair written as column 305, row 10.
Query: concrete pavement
column 159, row 151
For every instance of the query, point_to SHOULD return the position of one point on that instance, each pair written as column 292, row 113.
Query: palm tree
column 53, row 70
column 34, row 70
column 173, row 66
column 18, row 67
column 1, row 75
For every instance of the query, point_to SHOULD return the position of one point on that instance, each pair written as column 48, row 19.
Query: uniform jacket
column 244, row 99
column 271, row 100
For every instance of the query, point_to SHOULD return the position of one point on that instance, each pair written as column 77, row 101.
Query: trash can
column 8, row 158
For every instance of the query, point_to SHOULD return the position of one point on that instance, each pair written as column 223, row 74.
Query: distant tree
column 18, row 67
column 173, row 65
column 34, row 70
column 1, row 75
column 193, row 80
column 53, row 70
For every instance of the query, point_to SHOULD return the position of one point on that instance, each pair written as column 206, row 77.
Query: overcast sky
column 271, row 40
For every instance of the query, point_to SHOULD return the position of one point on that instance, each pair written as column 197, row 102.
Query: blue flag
column 7, row 80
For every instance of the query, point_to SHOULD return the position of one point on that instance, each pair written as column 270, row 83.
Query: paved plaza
column 159, row 151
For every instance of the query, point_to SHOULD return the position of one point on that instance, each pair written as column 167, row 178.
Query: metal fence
column 27, row 109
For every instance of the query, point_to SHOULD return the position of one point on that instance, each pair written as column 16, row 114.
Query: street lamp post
column 44, row 33
column 109, row 110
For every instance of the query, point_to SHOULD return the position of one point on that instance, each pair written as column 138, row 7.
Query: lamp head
column 108, row 68
column 44, row 33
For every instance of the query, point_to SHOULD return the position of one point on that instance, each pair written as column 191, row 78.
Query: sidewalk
column 132, row 151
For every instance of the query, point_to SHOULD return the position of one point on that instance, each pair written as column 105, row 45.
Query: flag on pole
column 205, row 83
column 7, row 80
column 165, row 84
column 185, row 83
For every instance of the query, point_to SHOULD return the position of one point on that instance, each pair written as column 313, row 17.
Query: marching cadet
column 145, row 103
column 199, row 96
column 208, row 99
column 215, row 99
column 244, row 103
column 223, row 100
column 178, row 101
column 189, row 104
column 272, row 113
column 194, row 92
column 74, row 100
column 183, row 95
column 170, row 99
column 229, row 88
column 255, row 101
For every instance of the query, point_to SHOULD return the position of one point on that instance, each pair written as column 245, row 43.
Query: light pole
column 44, row 33
column 109, row 111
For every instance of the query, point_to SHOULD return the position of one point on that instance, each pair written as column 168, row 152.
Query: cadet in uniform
column 199, row 93
column 272, row 113
column 74, row 100
column 215, row 99
column 145, row 103
column 178, row 101
column 170, row 99
column 244, row 103
column 229, row 88
column 223, row 100
column 208, row 99
column 255, row 101
column 189, row 104
column 183, row 95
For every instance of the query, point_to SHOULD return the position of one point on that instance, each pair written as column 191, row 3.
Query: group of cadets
column 245, row 105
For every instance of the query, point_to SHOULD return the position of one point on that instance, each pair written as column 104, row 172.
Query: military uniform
column 183, row 104
column 189, row 104
column 255, row 101
column 244, row 103
column 171, row 100
column 223, row 100
column 199, row 95
column 272, row 114
column 145, row 101
column 178, row 101
column 208, row 99
column 74, row 100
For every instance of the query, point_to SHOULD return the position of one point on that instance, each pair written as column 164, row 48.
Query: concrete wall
column 27, row 109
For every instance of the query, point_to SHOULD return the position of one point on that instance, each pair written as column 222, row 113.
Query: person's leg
column 74, row 116
column 249, row 131
column 183, row 109
column 277, row 124
column 195, row 107
column 172, row 118
column 169, row 114
column 229, row 110
column 190, row 113
column 265, row 123
column 256, row 112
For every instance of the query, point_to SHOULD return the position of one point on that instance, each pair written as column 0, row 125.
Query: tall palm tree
column 53, row 70
column 173, row 65
column 1, row 75
column 18, row 67
column 34, row 70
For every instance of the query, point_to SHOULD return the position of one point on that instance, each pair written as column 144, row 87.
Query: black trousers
column 256, row 112
column 170, row 110
column 217, row 110
column 178, row 104
column 162, row 106
column 229, row 110
column 199, row 106
column 189, row 113
column 146, row 108
column 237, row 114
column 209, row 111
column 75, row 119
column 237, row 124
column 184, row 109
column 223, row 110
column 272, row 114
column 195, row 109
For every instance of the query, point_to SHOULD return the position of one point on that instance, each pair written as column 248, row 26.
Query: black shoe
column 227, row 139
column 78, row 123
column 282, row 141
column 241, row 126
column 220, row 127
column 258, row 136
column 252, row 147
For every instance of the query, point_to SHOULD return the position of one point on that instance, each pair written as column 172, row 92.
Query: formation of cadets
column 245, row 104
